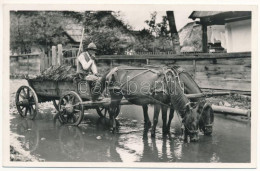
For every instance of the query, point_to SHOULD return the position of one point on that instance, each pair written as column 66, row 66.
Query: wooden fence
column 223, row 71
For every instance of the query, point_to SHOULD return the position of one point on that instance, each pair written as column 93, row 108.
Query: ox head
column 191, row 122
column 206, row 118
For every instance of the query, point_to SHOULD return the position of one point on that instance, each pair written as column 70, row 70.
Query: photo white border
column 93, row 5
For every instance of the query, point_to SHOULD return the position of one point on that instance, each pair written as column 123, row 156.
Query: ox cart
column 70, row 99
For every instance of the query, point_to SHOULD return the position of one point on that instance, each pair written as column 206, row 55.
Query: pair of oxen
column 165, row 88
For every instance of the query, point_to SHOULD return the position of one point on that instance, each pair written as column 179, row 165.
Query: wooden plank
column 230, row 68
column 223, row 75
column 25, row 55
column 180, row 57
column 223, row 84
column 42, row 64
column 46, row 62
column 60, row 55
column 227, row 61
column 54, row 56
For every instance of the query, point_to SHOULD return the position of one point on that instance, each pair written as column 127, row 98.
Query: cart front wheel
column 26, row 101
column 56, row 104
column 70, row 109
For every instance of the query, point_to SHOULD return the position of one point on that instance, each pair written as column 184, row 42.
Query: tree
column 160, row 31
column 42, row 29
column 108, row 32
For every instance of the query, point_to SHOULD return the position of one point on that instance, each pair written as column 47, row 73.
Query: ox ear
column 187, row 107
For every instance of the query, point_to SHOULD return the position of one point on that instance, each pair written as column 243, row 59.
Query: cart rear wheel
column 70, row 109
column 26, row 101
column 56, row 104
column 102, row 111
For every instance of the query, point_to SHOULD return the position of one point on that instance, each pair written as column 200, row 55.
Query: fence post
column 147, row 61
column 60, row 56
column 28, row 65
column 42, row 66
column 194, row 68
column 111, row 63
column 54, row 55
column 74, row 54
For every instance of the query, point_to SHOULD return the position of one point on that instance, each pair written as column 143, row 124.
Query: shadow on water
column 93, row 141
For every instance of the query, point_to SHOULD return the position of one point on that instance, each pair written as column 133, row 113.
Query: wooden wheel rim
column 28, row 95
column 74, row 118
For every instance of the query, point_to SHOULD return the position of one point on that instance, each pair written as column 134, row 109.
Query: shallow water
column 92, row 141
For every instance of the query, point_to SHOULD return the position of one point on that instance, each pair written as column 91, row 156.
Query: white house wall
column 238, row 36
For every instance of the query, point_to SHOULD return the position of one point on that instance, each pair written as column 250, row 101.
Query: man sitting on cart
column 86, row 63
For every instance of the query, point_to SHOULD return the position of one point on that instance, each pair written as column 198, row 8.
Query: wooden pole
column 194, row 68
column 28, row 65
column 42, row 66
column 60, row 56
column 54, row 56
column 204, row 38
column 81, row 40
column 230, row 110
column 192, row 96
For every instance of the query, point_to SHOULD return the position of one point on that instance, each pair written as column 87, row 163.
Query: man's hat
column 92, row 46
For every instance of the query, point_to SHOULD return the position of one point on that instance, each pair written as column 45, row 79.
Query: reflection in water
column 89, row 144
column 94, row 142
column 30, row 132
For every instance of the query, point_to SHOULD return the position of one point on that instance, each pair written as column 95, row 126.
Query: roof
column 220, row 17
column 200, row 14
column 74, row 31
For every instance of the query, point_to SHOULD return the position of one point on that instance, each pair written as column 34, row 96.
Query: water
column 92, row 141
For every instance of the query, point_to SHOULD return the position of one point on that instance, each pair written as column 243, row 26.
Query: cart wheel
column 26, row 101
column 70, row 109
column 115, row 110
column 55, row 104
column 102, row 111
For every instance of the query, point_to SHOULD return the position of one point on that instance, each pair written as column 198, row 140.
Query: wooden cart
column 70, row 98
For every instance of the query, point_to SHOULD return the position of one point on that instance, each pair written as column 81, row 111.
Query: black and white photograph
column 154, row 86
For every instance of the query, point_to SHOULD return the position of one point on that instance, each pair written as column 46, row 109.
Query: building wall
column 238, row 36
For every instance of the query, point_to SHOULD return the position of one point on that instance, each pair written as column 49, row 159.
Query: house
column 234, row 29
column 73, row 32
column 191, row 38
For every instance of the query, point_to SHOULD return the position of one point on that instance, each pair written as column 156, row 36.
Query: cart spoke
column 26, row 111
column 22, row 95
column 30, row 111
column 28, row 92
column 22, row 107
column 101, row 109
column 73, row 99
column 65, row 101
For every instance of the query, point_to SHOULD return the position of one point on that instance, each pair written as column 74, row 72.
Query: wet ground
column 92, row 141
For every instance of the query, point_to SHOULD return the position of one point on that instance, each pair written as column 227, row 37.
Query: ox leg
column 147, row 122
column 116, row 98
column 164, row 119
column 157, row 109
column 170, row 119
